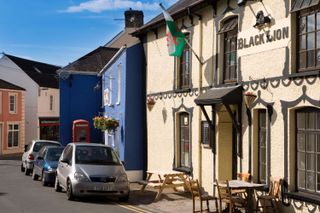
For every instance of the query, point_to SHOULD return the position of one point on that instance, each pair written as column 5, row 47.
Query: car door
column 65, row 165
column 38, row 163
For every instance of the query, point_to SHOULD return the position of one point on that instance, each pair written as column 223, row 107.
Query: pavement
column 170, row 201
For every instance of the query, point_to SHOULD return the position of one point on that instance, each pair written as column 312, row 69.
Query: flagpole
column 199, row 59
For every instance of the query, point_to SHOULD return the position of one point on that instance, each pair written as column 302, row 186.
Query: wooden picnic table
column 164, row 179
column 249, row 187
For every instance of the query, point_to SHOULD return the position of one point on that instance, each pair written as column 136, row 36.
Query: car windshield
column 39, row 145
column 53, row 154
column 96, row 155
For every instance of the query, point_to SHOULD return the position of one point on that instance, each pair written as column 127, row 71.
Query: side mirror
column 25, row 147
column 123, row 163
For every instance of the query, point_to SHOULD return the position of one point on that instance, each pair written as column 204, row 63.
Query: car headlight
column 79, row 176
column 47, row 167
column 122, row 178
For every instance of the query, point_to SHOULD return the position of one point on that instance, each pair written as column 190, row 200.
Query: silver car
column 91, row 169
column 31, row 151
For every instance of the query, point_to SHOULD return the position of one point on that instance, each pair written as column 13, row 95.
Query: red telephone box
column 81, row 131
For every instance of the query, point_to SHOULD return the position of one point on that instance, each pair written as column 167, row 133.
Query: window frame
column 231, row 34
column 181, row 143
column 184, row 76
column 119, row 83
column 262, row 130
column 11, row 142
column 51, row 103
column 205, row 134
column 306, row 111
column 316, row 32
column 15, row 103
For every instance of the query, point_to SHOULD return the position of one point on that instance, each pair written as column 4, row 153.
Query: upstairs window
column 12, row 103
column 183, row 67
column 119, row 84
column 51, row 103
column 308, row 39
column 229, row 30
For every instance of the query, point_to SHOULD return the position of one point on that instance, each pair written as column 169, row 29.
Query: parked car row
column 80, row 169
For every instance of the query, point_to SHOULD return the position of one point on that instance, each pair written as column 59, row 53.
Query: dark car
column 46, row 163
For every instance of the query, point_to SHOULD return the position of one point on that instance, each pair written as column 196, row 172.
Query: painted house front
column 12, row 119
column 35, row 77
column 202, row 123
column 124, row 100
column 80, row 94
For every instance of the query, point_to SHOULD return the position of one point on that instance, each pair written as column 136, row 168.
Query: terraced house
column 244, row 96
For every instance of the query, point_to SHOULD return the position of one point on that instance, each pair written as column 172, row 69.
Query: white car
column 91, row 169
column 31, row 151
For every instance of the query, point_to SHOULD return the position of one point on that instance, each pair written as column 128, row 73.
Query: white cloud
column 98, row 6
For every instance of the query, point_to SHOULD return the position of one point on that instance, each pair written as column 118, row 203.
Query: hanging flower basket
column 105, row 123
column 249, row 98
column 150, row 102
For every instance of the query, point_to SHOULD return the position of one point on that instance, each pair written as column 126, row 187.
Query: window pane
column 318, row 21
column 301, row 161
column 301, row 142
column 318, row 62
column 301, row 120
column 310, row 180
column 302, row 42
column 301, row 179
column 233, row 44
column 311, row 142
column 311, row 58
column 318, row 163
column 302, row 28
column 262, row 172
column 16, row 139
column 318, row 39
column 311, row 22
column 318, row 182
column 312, row 120
column 303, row 60
column 310, row 162
column 310, row 41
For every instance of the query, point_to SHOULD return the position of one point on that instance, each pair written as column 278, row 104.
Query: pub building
column 249, row 102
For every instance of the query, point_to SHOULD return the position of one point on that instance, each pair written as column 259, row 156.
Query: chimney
column 133, row 18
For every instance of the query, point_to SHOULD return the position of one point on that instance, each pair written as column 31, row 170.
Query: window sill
column 182, row 90
column 183, row 169
column 305, row 197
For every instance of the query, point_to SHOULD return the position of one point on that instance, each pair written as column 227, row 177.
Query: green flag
column 175, row 38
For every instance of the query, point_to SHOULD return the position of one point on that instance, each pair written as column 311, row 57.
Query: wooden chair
column 269, row 200
column 232, row 200
column 203, row 196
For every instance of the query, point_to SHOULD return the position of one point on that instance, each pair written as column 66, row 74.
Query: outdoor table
column 249, row 187
column 164, row 179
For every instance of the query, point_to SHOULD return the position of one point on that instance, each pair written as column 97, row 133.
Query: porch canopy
column 227, row 96
column 223, row 95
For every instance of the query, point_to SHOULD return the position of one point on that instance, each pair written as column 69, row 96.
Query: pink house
column 12, row 119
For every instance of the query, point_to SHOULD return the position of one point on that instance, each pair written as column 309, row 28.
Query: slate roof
column 123, row 38
column 6, row 85
column 177, row 10
column 43, row 74
column 92, row 62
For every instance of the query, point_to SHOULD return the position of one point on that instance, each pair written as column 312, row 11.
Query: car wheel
column 34, row 176
column 27, row 171
column 70, row 195
column 124, row 199
column 22, row 168
column 57, row 186
column 43, row 179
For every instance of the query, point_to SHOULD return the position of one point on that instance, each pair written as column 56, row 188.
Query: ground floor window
column 308, row 149
column 184, row 140
column 49, row 128
column 262, row 148
column 13, row 135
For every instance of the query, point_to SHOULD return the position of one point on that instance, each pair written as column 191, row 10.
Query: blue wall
column 79, row 100
column 130, row 136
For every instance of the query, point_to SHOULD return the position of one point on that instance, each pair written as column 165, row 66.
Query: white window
column 13, row 103
column 51, row 103
column 110, row 90
column 106, row 96
column 119, row 84
column 13, row 135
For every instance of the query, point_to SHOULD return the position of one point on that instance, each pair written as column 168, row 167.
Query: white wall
column 13, row 74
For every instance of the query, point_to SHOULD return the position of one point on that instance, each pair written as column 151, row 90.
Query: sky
column 59, row 32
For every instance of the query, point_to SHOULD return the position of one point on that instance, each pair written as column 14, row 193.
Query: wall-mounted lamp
column 243, row 2
column 261, row 20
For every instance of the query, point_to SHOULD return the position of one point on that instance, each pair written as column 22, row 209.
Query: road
column 21, row 194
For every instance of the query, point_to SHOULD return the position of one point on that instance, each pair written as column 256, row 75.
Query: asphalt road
column 21, row 194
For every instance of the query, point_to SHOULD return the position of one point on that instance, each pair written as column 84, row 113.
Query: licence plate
column 105, row 187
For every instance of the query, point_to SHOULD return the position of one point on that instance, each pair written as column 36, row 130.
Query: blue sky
column 61, row 31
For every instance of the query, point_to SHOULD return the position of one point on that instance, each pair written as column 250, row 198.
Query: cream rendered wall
column 13, row 74
column 44, row 102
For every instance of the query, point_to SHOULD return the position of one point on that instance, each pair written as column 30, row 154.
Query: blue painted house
column 124, row 100
column 80, row 93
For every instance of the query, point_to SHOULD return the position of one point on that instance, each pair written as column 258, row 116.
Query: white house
column 41, row 96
